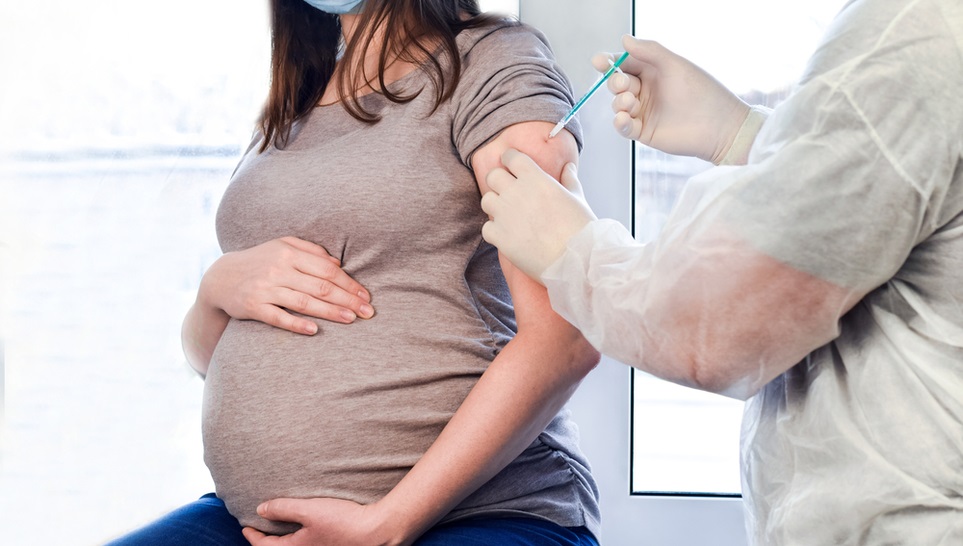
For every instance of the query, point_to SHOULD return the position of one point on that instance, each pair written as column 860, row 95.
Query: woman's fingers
column 285, row 301
column 321, row 295
column 324, row 269
column 318, row 287
column 279, row 318
column 287, row 283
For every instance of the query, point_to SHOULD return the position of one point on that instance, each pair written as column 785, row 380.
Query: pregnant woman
column 359, row 340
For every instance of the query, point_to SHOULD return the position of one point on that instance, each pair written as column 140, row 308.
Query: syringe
column 578, row 105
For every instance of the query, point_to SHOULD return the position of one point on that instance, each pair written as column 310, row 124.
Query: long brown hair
column 305, row 44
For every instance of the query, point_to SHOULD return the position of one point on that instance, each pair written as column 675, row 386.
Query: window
column 685, row 441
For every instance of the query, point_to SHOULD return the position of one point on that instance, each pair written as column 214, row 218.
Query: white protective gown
column 825, row 281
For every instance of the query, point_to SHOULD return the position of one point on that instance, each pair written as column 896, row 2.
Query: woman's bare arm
column 524, row 387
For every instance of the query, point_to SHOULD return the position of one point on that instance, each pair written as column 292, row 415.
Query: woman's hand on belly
column 327, row 521
column 264, row 282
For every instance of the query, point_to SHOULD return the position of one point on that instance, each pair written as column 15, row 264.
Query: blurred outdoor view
column 123, row 123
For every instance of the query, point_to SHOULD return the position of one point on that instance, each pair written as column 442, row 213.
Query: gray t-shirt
column 347, row 412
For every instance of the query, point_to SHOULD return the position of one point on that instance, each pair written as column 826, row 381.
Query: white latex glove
column 532, row 215
column 667, row 102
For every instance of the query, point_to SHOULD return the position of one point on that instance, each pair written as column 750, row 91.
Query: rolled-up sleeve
column 509, row 76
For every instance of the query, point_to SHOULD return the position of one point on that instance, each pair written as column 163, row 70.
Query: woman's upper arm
column 530, row 138
column 532, row 307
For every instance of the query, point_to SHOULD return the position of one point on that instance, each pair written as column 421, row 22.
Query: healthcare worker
column 822, row 279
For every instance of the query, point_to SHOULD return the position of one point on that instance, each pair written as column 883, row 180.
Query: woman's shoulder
column 503, row 38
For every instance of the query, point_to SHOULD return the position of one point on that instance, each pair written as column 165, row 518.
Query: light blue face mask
column 336, row 7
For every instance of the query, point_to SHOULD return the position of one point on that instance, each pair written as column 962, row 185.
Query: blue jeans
column 206, row 522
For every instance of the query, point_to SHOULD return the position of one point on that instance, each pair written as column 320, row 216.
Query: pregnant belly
column 341, row 414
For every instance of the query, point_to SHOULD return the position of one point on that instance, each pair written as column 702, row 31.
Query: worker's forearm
column 706, row 310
